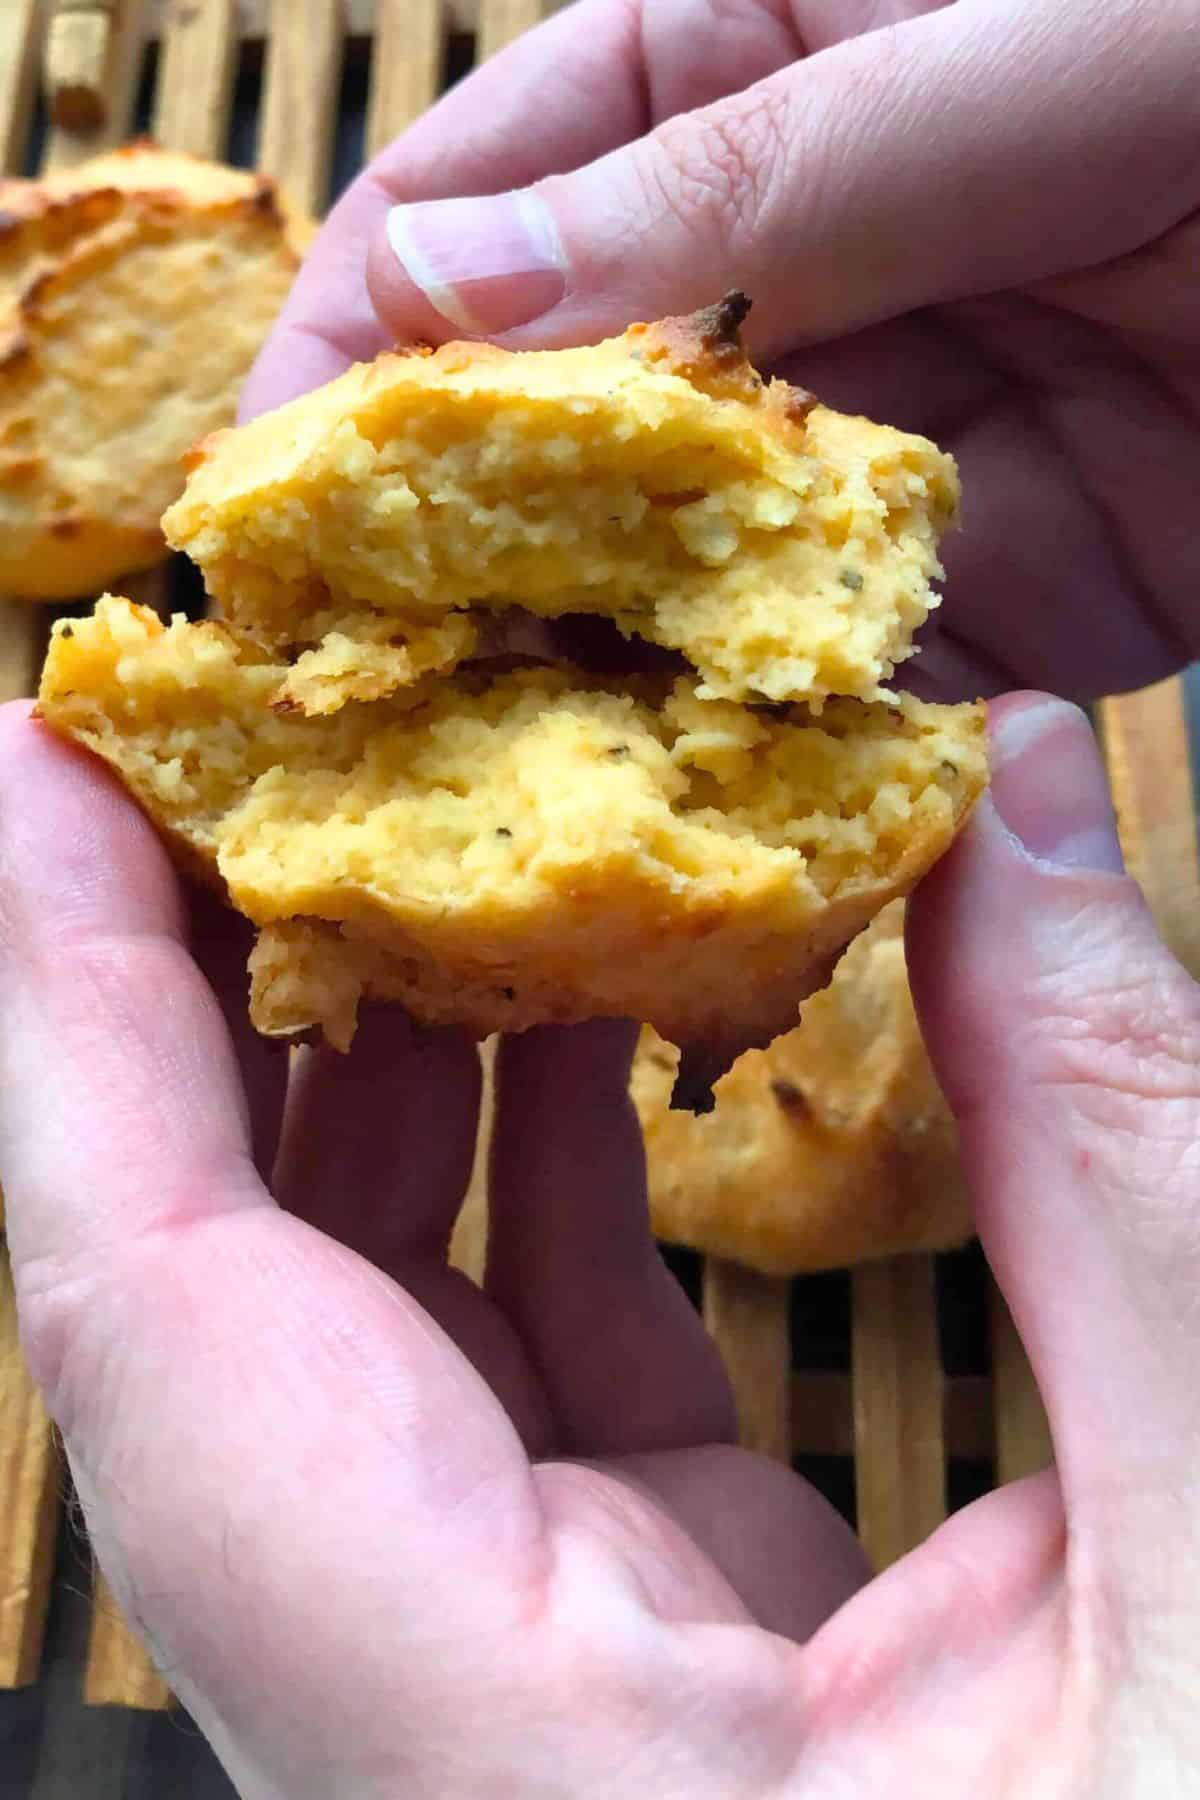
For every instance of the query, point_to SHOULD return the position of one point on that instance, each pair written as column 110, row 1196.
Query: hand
column 980, row 221
column 390, row 1535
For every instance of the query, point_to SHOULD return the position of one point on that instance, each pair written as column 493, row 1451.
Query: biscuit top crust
column 49, row 213
column 705, row 348
column 785, row 550
column 111, row 276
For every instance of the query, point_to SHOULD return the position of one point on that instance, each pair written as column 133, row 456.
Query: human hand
column 980, row 222
column 390, row 1535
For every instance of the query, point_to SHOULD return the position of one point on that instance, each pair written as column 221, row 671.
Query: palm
column 568, row 1496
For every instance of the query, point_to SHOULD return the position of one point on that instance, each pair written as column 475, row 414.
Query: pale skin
column 389, row 1535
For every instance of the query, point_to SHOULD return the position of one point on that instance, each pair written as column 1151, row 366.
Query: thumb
column 1067, row 1039
column 958, row 153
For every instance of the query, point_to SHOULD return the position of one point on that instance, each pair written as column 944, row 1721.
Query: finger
column 594, row 77
column 578, row 75
column 976, row 133
column 625, row 1360
column 217, row 1366
column 1068, row 1042
column 789, row 1557
column 221, row 941
column 379, row 1143
column 377, row 1152
column 97, row 984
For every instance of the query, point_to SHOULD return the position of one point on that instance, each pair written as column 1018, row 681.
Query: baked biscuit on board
column 785, row 550
column 831, row 1146
column 135, row 292
column 502, row 849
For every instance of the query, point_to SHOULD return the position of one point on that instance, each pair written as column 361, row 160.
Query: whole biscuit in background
column 832, row 1146
column 135, row 292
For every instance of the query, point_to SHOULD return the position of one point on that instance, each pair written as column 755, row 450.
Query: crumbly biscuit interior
column 782, row 564
column 485, row 793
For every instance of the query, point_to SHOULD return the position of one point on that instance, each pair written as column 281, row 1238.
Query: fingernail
column 1050, row 789
column 484, row 264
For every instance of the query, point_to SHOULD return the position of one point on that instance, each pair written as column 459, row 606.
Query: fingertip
column 404, row 312
column 589, row 1062
column 74, row 848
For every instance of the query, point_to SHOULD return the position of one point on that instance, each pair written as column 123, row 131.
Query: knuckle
column 718, row 171
column 1127, row 1034
column 1120, row 1059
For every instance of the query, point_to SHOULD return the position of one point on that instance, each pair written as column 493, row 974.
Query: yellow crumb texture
column 831, row 1146
column 503, row 849
column 786, row 550
column 135, row 292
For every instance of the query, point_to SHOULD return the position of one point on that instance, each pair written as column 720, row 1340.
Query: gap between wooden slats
column 822, row 1411
column 899, row 1440
column 29, row 1463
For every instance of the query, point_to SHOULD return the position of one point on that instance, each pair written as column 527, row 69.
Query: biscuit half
column 785, row 550
column 831, row 1146
column 135, row 292
column 500, row 850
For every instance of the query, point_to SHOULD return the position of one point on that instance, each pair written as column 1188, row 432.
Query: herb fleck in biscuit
column 785, row 550
column 831, row 1146
column 135, row 293
column 503, row 849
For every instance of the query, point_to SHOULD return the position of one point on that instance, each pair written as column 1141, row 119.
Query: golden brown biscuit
column 500, row 850
column 831, row 1146
column 784, row 549
column 135, row 293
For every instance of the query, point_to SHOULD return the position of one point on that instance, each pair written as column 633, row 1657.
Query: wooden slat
column 1022, row 1433
column 500, row 21
column 359, row 16
column 29, row 1474
column 119, row 1673
column 468, row 1246
column 747, row 1315
column 21, row 25
column 900, row 1456
column 22, row 630
column 29, row 1487
column 304, row 60
column 1146, row 744
column 823, row 1415
column 195, row 82
column 406, row 66
column 66, row 148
